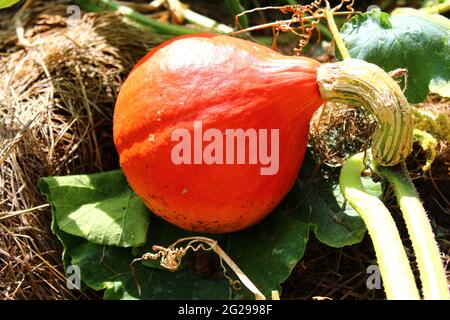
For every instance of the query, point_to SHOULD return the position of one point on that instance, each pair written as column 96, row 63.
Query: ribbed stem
column 432, row 273
column 398, row 279
column 356, row 82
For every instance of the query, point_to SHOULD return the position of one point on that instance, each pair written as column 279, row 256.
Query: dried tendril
column 172, row 256
column 303, row 22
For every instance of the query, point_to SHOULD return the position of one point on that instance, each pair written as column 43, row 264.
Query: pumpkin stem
column 356, row 82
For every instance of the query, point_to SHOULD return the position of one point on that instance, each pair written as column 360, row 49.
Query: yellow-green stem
column 335, row 33
column 161, row 28
column 438, row 8
column 398, row 279
column 432, row 274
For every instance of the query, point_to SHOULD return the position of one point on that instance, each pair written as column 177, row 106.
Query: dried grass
column 57, row 91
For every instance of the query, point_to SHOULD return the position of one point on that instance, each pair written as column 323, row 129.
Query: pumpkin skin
column 227, row 83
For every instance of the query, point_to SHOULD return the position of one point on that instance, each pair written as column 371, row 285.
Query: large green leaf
column 320, row 204
column 7, row 3
column 266, row 252
column 108, row 268
column 267, row 264
column 411, row 42
column 99, row 207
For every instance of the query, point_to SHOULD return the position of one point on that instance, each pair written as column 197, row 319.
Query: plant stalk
column 203, row 21
column 398, row 279
column 335, row 32
column 152, row 24
column 438, row 8
column 236, row 8
column 432, row 273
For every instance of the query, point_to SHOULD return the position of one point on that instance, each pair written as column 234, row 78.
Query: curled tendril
column 172, row 256
column 304, row 19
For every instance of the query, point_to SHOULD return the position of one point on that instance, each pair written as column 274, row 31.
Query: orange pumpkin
column 222, row 83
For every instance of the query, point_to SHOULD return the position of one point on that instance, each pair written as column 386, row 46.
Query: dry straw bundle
column 57, row 91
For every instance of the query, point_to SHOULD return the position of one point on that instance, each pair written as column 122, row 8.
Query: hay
column 57, row 91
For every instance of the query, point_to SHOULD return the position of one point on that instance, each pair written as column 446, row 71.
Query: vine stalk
column 398, row 279
column 432, row 273
column 438, row 8
column 329, row 13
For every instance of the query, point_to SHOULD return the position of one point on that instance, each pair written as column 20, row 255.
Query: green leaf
column 69, row 241
column 433, row 17
column 410, row 42
column 99, row 207
column 321, row 205
column 267, row 264
column 266, row 252
column 7, row 3
column 269, row 251
column 106, row 267
column 278, row 241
